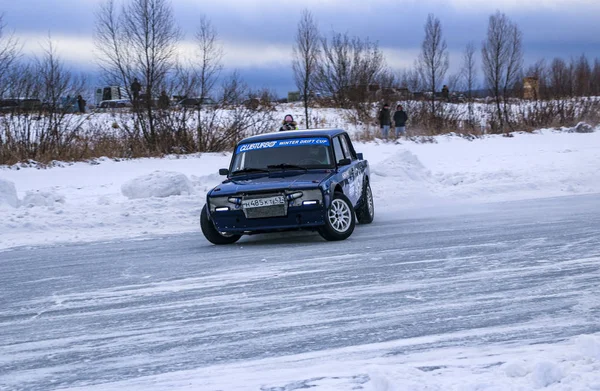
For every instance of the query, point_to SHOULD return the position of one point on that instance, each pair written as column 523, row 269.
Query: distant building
column 109, row 93
column 531, row 88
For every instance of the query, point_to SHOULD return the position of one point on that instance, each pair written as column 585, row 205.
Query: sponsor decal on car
column 283, row 143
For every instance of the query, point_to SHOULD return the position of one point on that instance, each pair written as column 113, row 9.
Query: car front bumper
column 298, row 217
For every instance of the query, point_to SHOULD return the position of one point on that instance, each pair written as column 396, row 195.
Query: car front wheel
column 339, row 219
column 365, row 213
column 211, row 233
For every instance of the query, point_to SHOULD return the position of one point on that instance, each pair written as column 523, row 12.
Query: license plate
column 262, row 202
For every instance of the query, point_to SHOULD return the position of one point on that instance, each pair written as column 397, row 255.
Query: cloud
column 479, row 6
column 258, row 35
column 79, row 50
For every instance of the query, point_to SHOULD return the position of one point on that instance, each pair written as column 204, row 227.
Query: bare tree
column 210, row 57
column 44, row 126
column 560, row 80
column 582, row 76
column 139, row 42
column 306, row 57
column 595, row 87
column 433, row 62
column 333, row 77
column 410, row 78
column 349, row 69
column 469, row 77
column 9, row 53
column 502, row 60
column 469, row 69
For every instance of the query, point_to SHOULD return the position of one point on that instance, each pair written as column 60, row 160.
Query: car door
column 355, row 170
column 348, row 174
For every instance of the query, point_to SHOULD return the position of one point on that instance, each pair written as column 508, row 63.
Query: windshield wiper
column 248, row 170
column 283, row 166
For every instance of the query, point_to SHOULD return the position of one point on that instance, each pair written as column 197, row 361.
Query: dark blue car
column 309, row 179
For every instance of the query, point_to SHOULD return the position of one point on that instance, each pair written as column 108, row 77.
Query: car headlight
column 215, row 203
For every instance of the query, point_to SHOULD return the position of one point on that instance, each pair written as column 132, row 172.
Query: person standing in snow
column 446, row 93
column 400, row 118
column 163, row 101
column 136, row 87
column 385, row 120
column 81, row 104
column 288, row 123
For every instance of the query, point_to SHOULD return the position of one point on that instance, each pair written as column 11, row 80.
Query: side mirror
column 223, row 171
column 360, row 156
column 344, row 162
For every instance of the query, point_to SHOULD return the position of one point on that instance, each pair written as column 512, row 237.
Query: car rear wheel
column 211, row 233
column 339, row 219
column 365, row 213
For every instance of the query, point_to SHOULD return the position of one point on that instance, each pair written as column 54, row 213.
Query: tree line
column 342, row 68
column 139, row 39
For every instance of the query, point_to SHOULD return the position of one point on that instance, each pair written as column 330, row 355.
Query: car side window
column 337, row 149
column 346, row 148
column 350, row 147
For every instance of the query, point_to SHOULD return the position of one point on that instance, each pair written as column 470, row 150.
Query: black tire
column 339, row 219
column 365, row 213
column 211, row 233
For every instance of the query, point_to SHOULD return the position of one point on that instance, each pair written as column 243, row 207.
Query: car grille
column 268, row 211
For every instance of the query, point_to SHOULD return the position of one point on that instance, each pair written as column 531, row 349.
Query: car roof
column 293, row 134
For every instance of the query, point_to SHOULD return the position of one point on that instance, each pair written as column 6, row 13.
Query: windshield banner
column 294, row 142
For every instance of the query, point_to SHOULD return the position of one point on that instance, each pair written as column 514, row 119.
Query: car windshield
column 284, row 154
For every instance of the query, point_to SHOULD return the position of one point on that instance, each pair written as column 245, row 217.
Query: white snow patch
column 403, row 166
column 589, row 346
column 8, row 193
column 157, row 184
column 516, row 369
column 40, row 198
column 546, row 373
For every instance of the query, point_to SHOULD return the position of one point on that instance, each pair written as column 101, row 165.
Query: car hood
column 272, row 182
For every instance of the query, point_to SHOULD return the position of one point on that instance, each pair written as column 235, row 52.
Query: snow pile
column 581, row 127
column 157, row 184
column 589, row 346
column 403, row 166
column 546, row 373
column 42, row 198
column 8, row 194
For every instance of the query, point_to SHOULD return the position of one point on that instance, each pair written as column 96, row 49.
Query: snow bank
column 546, row 373
column 581, row 127
column 403, row 166
column 8, row 194
column 42, row 198
column 157, row 184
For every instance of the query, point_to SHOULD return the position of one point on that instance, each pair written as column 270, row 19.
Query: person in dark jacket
column 400, row 119
column 163, row 101
column 136, row 87
column 288, row 123
column 81, row 104
column 385, row 120
column 446, row 93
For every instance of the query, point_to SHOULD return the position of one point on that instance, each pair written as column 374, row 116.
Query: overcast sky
column 258, row 34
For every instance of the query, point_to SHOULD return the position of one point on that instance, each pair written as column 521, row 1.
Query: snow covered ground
column 109, row 199
column 504, row 297
column 480, row 272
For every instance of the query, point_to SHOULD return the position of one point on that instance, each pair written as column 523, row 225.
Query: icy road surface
column 513, row 273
